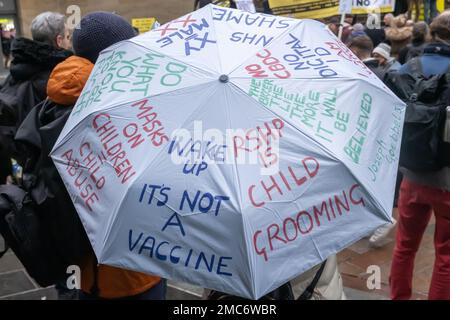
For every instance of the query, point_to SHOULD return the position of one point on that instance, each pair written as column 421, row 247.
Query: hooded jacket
column 30, row 69
column 64, row 87
column 434, row 60
column 25, row 87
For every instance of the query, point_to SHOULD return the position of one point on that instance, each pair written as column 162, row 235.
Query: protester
column 399, row 34
column 423, row 193
column 357, row 31
column 362, row 47
column 35, row 81
column 415, row 48
column 436, row 55
column 97, row 31
column 333, row 25
column 33, row 61
column 387, row 63
column 387, row 19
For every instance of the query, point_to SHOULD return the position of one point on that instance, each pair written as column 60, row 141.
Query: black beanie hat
column 97, row 31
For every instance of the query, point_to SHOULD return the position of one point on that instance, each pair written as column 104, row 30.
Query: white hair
column 47, row 26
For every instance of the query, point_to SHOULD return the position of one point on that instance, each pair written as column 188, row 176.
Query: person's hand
column 9, row 180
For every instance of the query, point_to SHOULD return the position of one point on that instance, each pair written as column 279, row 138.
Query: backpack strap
column 309, row 291
column 95, row 290
column 415, row 67
column 416, row 71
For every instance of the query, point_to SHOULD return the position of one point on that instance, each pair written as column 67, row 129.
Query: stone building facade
column 22, row 12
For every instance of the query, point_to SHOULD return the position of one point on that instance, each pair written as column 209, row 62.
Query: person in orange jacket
column 97, row 31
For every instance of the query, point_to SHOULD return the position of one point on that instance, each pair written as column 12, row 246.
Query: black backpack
column 423, row 148
column 37, row 218
column 22, row 229
column 46, row 237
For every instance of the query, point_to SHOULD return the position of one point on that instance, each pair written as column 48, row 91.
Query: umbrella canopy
column 230, row 150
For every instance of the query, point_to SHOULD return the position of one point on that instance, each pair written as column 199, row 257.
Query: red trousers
column 416, row 205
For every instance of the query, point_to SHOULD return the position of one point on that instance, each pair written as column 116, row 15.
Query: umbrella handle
column 309, row 291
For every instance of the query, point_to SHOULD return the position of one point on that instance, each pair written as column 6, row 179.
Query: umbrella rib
column 236, row 172
column 219, row 57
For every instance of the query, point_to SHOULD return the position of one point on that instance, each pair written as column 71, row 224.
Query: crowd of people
column 7, row 35
column 405, row 47
column 49, row 71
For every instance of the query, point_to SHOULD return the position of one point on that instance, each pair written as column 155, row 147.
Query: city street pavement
column 15, row 284
column 354, row 261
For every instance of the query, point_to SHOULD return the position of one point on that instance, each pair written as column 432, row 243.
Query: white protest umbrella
column 230, row 150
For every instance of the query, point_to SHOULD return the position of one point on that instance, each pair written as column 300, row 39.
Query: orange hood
column 67, row 80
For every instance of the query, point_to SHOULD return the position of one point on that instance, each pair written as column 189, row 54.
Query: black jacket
column 25, row 87
column 38, row 134
column 35, row 138
column 30, row 69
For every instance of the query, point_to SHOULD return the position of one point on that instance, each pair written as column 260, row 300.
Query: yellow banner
column 316, row 9
column 143, row 24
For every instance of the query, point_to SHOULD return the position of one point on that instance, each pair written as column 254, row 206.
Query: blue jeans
column 430, row 10
column 157, row 292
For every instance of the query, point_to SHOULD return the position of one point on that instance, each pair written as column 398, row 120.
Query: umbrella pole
column 341, row 26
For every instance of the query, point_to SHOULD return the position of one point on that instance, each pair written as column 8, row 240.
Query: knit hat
column 97, row 31
column 67, row 80
column 384, row 50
